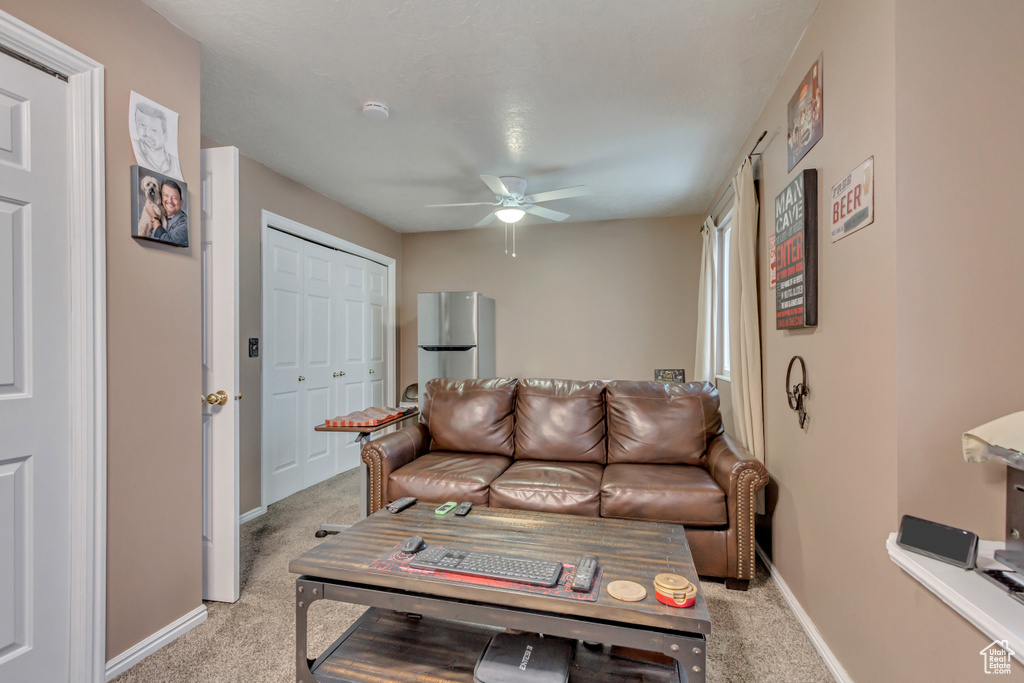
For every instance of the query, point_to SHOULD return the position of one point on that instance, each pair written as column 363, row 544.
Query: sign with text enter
column 796, row 253
column 853, row 201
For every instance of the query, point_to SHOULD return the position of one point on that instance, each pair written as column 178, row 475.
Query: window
column 723, row 235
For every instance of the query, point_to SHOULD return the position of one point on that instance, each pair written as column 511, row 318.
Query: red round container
column 672, row 603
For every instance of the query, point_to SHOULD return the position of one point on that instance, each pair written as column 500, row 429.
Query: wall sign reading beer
column 853, row 201
column 796, row 253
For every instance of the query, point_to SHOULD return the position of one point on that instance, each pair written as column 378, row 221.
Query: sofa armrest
column 386, row 454
column 741, row 476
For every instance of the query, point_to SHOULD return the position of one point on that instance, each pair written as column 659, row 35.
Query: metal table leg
column 306, row 593
column 364, row 499
column 364, row 478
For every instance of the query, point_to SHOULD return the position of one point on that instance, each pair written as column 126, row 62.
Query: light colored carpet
column 755, row 638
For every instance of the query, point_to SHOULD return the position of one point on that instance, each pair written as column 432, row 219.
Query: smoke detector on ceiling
column 378, row 111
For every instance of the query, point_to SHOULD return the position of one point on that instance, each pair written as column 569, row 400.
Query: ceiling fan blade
column 497, row 187
column 545, row 213
column 434, row 206
column 485, row 221
column 564, row 193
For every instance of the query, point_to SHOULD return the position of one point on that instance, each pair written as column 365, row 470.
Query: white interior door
column 282, row 365
column 35, row 246
column 219, row 169
column 321, row 287
column 355, row 390
column 377, row 325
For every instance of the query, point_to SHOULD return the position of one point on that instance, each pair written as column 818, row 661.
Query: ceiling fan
column 513, row 202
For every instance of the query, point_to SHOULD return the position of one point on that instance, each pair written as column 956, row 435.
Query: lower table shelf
column 385, row 645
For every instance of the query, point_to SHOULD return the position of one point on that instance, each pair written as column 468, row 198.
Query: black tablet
column 938, row 541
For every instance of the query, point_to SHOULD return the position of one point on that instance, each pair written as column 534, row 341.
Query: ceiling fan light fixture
column 509, row 215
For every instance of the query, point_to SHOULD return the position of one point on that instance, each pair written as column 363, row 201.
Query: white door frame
column 269, row 220
column 88, row 362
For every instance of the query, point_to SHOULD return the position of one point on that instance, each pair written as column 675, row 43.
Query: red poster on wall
column 796, row 253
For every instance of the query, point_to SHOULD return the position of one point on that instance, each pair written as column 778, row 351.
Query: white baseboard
column 837, row 670
column 252, row 514
column 166, row 635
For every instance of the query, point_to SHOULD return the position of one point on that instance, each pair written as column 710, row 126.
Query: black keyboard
column 519, row 569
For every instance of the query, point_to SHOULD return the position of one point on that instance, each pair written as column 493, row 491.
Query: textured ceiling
column 644, row 101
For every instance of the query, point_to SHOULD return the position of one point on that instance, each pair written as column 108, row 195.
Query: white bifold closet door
column 324, row 343
column 362, row 311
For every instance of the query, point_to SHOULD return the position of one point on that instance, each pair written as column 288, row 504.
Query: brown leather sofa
column 628, row 450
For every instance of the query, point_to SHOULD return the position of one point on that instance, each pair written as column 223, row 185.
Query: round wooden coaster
column 671, row 582
column 627, row 591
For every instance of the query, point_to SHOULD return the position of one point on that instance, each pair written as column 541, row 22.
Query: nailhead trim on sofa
column 745, row 523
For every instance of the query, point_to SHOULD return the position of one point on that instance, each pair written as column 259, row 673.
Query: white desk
column 981, row 602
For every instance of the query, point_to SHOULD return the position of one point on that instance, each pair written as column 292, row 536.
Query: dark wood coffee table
column 453, row 619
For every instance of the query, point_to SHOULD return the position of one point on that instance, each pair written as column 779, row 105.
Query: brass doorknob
column 218, row 399
column 339, row 374
column 371, row 371
column 301, row 378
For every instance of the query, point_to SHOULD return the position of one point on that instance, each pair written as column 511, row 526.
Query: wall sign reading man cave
column 796, row 253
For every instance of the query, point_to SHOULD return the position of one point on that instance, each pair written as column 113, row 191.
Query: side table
column 364, row 436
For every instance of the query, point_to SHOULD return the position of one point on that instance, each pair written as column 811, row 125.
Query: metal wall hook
column 799, row 391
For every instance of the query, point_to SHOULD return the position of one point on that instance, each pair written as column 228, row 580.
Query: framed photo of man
column 159, row 207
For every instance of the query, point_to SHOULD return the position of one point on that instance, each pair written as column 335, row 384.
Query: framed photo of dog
column 159, row 207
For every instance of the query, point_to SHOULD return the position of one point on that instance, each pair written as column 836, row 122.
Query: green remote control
column 446, row 508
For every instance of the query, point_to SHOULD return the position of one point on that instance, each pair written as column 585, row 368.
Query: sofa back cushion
column 559, row 419
column 470, row 415
column 654, row 422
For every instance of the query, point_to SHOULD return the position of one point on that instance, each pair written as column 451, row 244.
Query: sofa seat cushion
column 545, row 486
column 676, row 494
column 440, row 476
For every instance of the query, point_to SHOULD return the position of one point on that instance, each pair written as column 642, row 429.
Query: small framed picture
column 159, row 207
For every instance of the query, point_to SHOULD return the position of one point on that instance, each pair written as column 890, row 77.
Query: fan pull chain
column 506, row 239
column 513, row 240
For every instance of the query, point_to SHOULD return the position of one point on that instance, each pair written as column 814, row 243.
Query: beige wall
column 895, row 304
column 610, row 300
column 959, row 250
column 833, row 492
column 261, row 188
column 154, row 560
column 959, row 145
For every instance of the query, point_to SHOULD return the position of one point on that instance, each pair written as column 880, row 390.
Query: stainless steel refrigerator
column 455, row 335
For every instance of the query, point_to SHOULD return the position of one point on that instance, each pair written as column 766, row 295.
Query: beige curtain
column 744, row 327
column 704, row 365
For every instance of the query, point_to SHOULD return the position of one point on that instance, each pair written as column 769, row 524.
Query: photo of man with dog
column 159, row 207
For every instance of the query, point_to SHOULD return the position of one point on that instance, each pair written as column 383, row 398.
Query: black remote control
column 463, row 509
column 401, row 504
column 584, row 576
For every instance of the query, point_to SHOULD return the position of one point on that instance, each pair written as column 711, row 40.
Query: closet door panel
column 318, row 293
column 282, row 429
column 376, row 331
column 356, row 390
